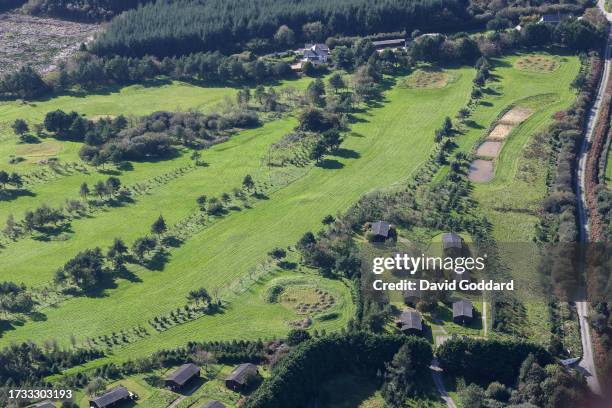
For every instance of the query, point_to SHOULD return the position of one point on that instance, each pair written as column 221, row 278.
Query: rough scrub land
column 39, row 42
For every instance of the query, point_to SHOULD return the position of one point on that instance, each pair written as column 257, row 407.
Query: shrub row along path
column 587, row 363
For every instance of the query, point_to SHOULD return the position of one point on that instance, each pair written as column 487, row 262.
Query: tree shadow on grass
column 46, row 233
column 473, row 124
column 158, row 261
column 330, row 164
column 10, row 195
column 125, row 273
column 346, row 153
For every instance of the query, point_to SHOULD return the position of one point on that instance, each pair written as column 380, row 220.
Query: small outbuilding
column 553, row 18
column 112, row 398
column 394, row 43
column 242, row 376
column 450, row 240
column 463, row 312
column 181, row 376
column 410, row 322
column 213, row 404
column 381, row 230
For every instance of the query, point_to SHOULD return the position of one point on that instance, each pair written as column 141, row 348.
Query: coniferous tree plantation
column 181, row 27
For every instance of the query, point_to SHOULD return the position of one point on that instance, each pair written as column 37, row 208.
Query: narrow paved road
column 436, row 374
column 587, row 363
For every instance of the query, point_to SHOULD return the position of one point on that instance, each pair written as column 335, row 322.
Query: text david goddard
column 425, row 285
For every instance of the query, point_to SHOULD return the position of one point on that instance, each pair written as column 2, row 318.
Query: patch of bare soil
column 500, row 132
column 489, row 149
column 481, row 171
column 40, row 42
column 516, row 116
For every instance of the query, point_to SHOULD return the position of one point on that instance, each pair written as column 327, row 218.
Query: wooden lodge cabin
column 242, row 375
column 112, row 398
column 410, row 322
column 382, row 230
column 463, row 312
column 451, row 240
column 181, row 376
column 412, row 297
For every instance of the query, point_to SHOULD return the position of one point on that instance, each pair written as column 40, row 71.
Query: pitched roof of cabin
column 183, row 374
column 241, row 373
column 381, row 228
column 411, row 319
column 115, row 395
column 463, row 308
column 452, row 240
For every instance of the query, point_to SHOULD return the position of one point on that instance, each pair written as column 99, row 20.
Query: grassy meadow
column 386, row 144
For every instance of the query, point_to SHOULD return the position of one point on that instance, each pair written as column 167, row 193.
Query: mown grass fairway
column 512, row 199
column 386, row 145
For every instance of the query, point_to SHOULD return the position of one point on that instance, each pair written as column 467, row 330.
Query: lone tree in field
column 159, row 226
column 278, row 253
column 142, row 246
column 112, row 185
column 20, row 127
column 199, row 295
column 84, row 191
column 336, row 82
column 248, row 182
column 100, row 189
column 11, row 230
column 116, row 253
column 318, row 151
column 4, row 178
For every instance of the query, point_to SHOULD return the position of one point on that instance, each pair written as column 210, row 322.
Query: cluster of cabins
column 411, row 321
column 239, row 380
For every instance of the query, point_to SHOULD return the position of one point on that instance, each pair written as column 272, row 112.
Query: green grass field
column 385, row 146
column 511, row 200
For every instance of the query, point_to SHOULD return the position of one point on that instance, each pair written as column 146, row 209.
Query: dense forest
column 92, row 10
column 180, row 27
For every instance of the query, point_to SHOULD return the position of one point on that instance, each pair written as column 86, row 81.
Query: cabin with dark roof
column 241, row 378
column 463, row 312
column 394, row 43
column 213, row 404
column 112, row 398
column 181, row 376
column 381, row 230
column 410, row 322
column 451, row 240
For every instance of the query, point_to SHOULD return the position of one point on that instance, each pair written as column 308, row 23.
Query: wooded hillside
column 185, row 26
